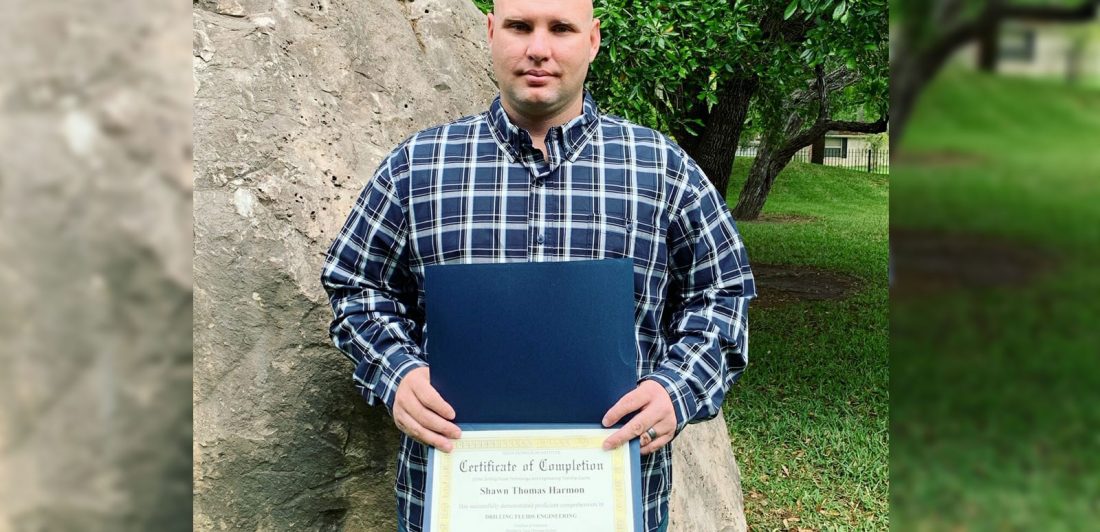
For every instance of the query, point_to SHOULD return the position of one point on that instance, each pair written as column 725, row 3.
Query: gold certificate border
column 474, row 441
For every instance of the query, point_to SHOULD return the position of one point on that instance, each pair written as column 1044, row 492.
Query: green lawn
column 808, row 420
column 995, row 393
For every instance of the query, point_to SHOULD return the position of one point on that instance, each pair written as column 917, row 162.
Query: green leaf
column 841, row 8
column 790, row 9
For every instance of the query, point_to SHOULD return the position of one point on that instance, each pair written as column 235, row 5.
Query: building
column 1045, row 49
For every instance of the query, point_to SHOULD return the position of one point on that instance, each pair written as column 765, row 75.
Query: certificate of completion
column 534, row 480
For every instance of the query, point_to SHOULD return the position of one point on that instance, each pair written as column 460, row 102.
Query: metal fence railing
column 860, row 160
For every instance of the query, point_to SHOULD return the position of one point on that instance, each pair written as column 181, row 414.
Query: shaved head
column 541, row 51
column 564, row 5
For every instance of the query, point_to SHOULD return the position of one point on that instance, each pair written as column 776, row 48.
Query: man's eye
column 561, row 29
column 518, row 26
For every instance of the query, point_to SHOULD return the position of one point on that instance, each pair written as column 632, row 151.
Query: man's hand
column 655, row 411
column 421, row 412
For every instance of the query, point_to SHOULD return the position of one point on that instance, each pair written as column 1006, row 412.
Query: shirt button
column 539, row 239
column 539, row 182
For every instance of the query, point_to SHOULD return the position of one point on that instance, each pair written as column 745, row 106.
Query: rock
column 706, row 482
column 296, row 104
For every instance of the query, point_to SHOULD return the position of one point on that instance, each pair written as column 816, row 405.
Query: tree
column 841, row 75
column 926, row 34
column 685, row 68
column 780, row 143
column 694, row 69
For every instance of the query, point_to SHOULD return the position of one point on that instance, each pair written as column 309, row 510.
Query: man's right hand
column 421, row 412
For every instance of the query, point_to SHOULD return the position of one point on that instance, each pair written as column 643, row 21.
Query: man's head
column 541, row 51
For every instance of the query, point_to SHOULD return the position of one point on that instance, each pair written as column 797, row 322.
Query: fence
column 860, row 160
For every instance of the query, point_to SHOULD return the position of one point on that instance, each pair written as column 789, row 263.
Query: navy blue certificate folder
column 532, row 342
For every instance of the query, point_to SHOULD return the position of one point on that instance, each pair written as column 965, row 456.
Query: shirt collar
column 517, row 142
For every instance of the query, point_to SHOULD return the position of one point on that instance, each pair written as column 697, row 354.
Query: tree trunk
column 717, row 145
column 765, row 168
column 686, row 140
column 817, row 151
column 989, row 47
column 910, row 73
column 906, row 84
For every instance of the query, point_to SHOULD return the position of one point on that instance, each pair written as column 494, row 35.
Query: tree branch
column 834, row 81
column 1081, row 13
column 878, row 126
column 822, row 94
column 990, row 17
column 822, row 127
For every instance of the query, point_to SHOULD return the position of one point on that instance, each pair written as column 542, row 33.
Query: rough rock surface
column 295, row 105
column 706, row 482
column 95, row 267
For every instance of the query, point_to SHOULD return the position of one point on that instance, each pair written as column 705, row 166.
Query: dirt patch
column 778, row 284
column 784, row 218
column 927, row 263
column 936, row 158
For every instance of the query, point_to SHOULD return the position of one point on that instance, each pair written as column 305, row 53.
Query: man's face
column 541, row 51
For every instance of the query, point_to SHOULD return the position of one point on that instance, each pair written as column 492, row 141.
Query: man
column 542, row 176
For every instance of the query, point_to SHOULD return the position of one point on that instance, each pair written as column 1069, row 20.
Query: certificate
column 535, row 478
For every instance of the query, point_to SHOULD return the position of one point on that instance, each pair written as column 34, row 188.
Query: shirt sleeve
column 709, row 297
column 372, row 291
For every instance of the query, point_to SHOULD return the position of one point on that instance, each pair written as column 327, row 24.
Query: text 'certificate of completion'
column 534, row 480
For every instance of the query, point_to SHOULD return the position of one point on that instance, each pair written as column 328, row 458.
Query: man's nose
column 538, row 48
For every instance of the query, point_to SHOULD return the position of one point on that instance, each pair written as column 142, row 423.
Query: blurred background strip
column 95, row 266
column 995, row 378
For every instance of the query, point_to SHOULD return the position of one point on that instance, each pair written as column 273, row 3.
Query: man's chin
column 537, row 97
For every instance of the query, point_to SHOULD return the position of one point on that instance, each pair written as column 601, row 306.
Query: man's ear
column 491, row 20
column 595, row 38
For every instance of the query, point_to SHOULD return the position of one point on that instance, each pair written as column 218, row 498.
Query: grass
column 996, row 393
column 808, row 419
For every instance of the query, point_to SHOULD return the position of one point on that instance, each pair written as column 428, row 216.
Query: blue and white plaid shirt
column 476, row 190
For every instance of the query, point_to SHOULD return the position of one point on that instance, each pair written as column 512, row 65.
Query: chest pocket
column 602, row 237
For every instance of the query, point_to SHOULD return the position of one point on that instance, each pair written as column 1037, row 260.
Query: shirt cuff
column 683, row 400
column 396, row 366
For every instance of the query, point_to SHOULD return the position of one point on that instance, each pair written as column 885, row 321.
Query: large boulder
column 706, row 482
column 295, row 105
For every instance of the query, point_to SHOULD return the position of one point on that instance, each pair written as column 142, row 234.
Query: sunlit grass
column 808, row 420
column 996, row 393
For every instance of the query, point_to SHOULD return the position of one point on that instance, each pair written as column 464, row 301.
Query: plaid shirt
column 476, row 190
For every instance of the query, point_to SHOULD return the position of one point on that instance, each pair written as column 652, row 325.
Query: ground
column 994, row 382
column 808, row 420
column 995, row 394
column 784, row 284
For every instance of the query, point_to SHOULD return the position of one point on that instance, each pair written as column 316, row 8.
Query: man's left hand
column 654, row 408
